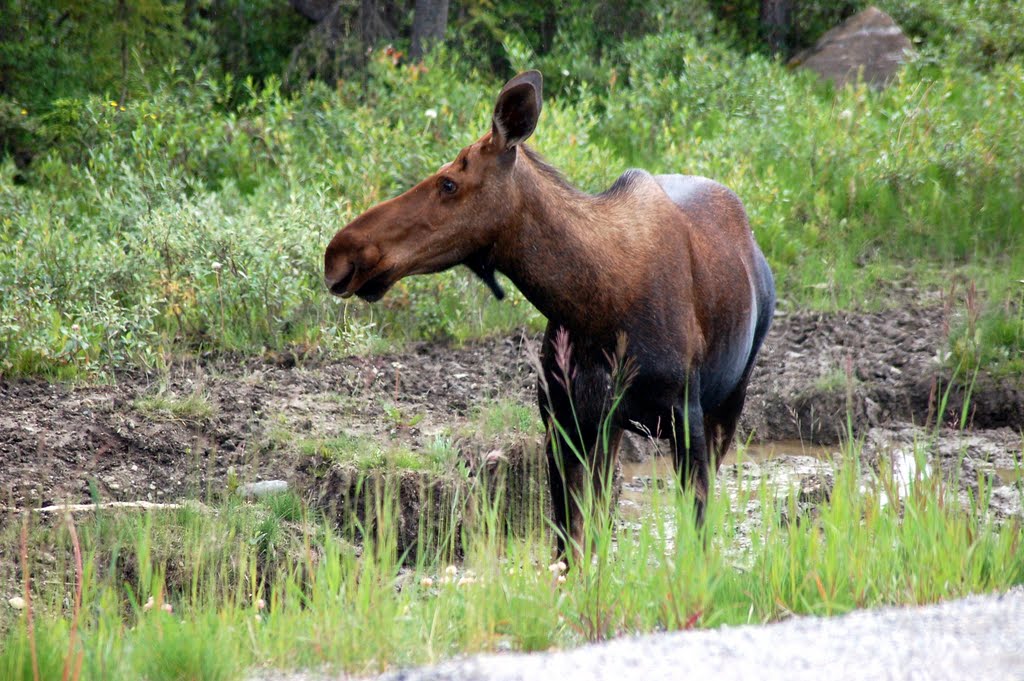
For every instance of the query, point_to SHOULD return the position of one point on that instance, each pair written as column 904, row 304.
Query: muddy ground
column 61, row 443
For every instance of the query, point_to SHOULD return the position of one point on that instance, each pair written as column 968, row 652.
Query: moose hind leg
column 721, row 424
column 690, row 452
column 605, row 458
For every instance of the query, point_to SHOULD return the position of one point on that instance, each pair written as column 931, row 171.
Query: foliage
column 173, row 223
column 110, row 47
column 160, row 405
column 253, row 38
column 872, row 174
column 191, row 217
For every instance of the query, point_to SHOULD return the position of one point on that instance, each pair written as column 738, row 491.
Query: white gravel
column 979, row 637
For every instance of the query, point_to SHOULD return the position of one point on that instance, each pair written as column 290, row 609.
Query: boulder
column 869, row 42
column 638, row 449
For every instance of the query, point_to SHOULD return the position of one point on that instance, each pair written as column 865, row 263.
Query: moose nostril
column 338, row 284
column 339, row 287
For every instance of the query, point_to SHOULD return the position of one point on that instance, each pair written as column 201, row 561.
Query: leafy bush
column 194, row 220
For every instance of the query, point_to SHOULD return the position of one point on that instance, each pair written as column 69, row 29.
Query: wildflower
column 24, row 112
column 75, row 328
column 467, row 580
column 426, row 582
column 260, row 604
column 557, row 568
column 113, row 104
column 167, row 607
column 16, row 602
column 561, row 579
column 565, row 72
column 216, row 266
column 258, row 618
column 148, row 605
column 121, row 108
column 430, row 113
column 451, row 570
column 396, row 55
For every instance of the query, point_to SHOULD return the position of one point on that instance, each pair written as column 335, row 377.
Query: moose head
column 453, row 217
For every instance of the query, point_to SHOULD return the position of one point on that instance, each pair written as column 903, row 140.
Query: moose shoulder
column 666, row 262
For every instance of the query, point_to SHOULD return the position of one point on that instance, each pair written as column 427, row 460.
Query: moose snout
column 348, row 262
column 341, row 262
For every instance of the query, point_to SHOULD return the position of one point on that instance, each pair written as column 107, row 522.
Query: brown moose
column 667, row 262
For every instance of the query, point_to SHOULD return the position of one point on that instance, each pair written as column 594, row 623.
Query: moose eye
column 447, row 186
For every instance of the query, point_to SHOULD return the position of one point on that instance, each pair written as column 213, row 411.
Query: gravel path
column 980, row 637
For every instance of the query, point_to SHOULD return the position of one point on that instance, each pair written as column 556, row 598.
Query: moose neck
column 570, row 253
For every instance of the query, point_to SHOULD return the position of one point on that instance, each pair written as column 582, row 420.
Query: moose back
column 666, row 262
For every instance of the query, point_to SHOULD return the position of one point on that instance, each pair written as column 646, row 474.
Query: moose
column 665, row 265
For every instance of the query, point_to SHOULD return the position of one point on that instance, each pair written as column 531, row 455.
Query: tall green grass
column 202, row 593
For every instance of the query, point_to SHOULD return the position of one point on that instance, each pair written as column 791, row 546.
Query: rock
column 263, row 488
column 815, row 490
column 494, row 458
column 637, row 449
column 869, row 40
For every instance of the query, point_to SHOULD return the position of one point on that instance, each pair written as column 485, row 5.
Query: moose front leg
column 566, row 479
column 581, row 476
column 574, row 395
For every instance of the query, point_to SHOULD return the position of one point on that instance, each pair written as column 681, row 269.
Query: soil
column 819, row 377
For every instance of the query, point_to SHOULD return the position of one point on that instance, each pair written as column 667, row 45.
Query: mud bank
column 822, row 372
column 819, row 375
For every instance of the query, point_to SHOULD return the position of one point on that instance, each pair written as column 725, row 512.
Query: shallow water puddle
column 637, row 476
column 783, row 467
column 782, row 464
column 1010, row 476
column 905, row 472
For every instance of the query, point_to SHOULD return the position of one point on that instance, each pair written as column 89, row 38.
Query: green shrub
column 188, row 221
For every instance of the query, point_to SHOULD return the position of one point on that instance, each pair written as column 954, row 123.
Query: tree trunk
column 777, row 24
column 122, row 16
column 338, row 42
column 428, row 26
column 548, row 29
column 314, row 10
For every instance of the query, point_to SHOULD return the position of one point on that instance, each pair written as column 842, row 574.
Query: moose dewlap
column 661, row 271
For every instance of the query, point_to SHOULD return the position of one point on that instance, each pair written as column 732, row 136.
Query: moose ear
column 517, row 109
